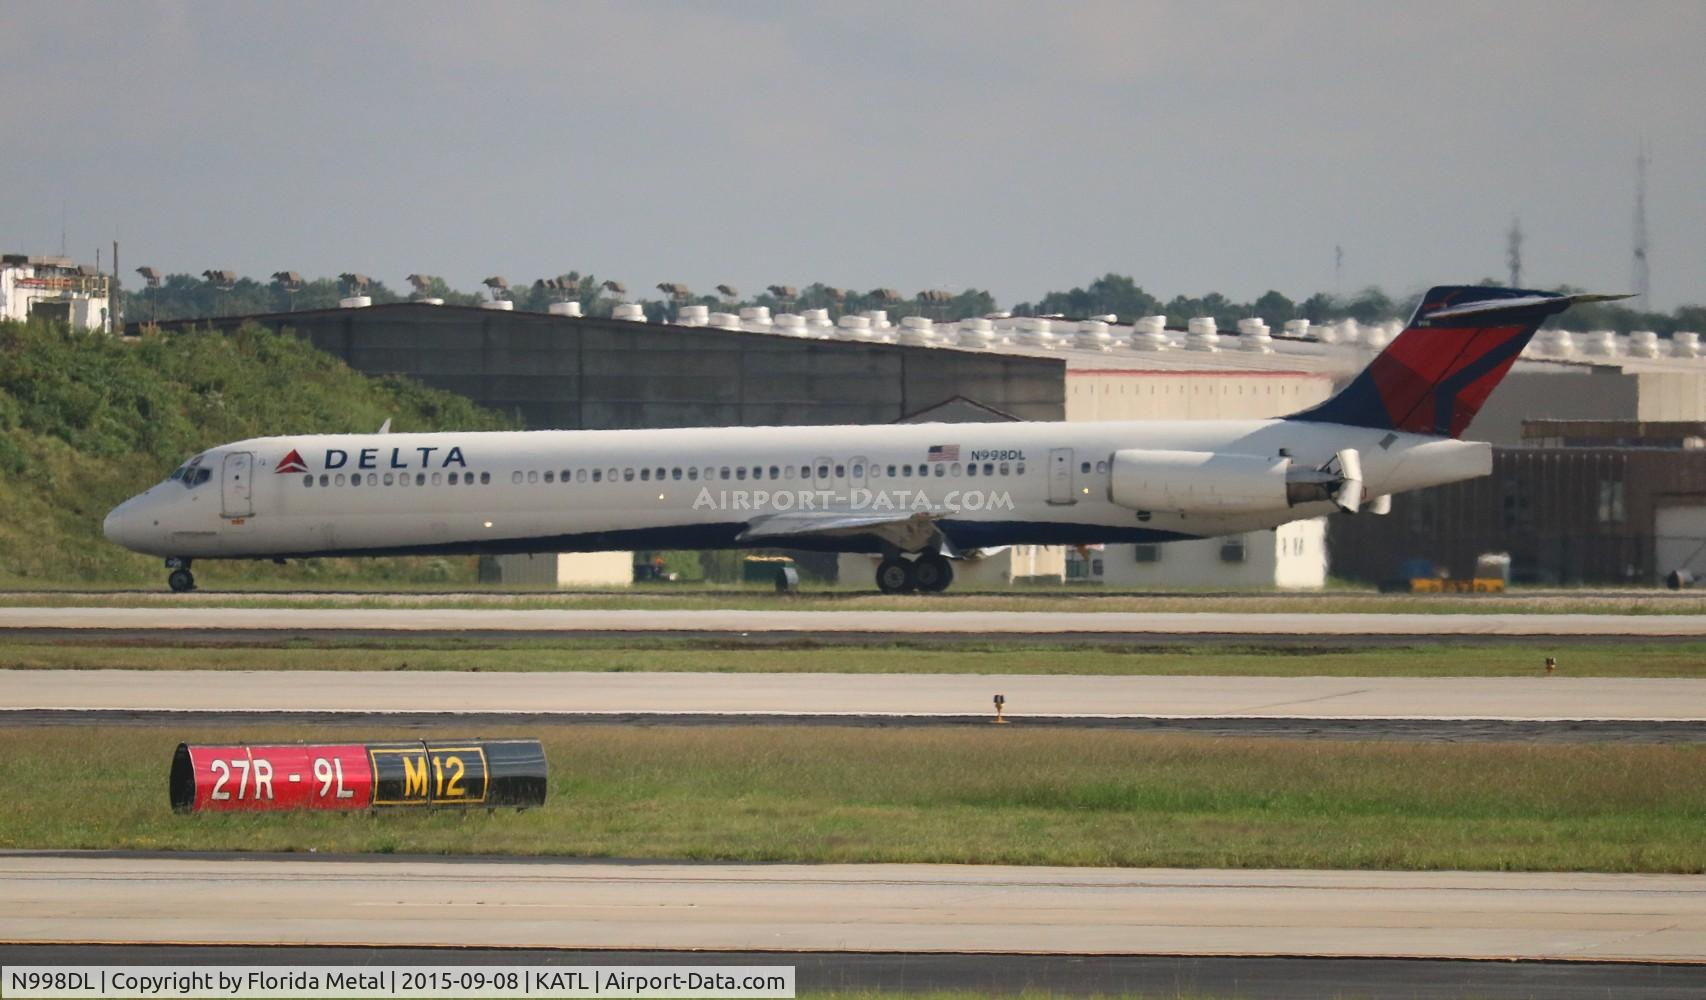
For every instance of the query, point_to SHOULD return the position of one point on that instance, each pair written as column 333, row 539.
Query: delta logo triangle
column 292, row 463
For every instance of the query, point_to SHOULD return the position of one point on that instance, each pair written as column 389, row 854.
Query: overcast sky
column 1020, row 148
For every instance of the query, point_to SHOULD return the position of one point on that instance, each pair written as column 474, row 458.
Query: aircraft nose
column 120, row 525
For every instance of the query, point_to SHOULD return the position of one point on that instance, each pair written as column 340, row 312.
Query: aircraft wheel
column 181, row 580
column 933, row 573
column 895, row 576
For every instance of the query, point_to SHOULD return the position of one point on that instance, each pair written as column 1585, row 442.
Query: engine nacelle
column 1198, row 482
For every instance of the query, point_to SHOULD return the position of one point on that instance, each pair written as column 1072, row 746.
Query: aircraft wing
column 908, row 530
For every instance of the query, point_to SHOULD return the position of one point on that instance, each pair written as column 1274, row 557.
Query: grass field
column 1634, row 602
column 804, row 656
column 968, row 796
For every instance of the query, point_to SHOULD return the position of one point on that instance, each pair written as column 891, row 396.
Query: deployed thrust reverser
column 1206, row 482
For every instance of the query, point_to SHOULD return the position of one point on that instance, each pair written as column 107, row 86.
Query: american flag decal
column 944, row 453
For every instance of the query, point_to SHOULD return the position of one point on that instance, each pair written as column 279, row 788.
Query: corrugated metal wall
column 1565, row 515
column 571, row 373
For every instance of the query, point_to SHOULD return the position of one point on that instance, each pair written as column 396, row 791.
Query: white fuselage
column 982, row 485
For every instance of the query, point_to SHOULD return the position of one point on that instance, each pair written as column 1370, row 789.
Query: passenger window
column 340, row 480
column 1101, row 466
column 403, row 480
column 485, row 478
column 660, row 475
column 437, row 478
column 563, row 477
column 596, row 475
column 775, row 473
column 453, row 479
column 941, row 470
column 532, row 475
column 628, row 475
column 740, row 472
column 725, row 472
column 675, row 473
column 355, row 479
column 891, row 472
column 514, row 477
column 956, row 469
column 1084, row 467
column 373, row 479
column 645, row 475
column 420, row 479
column 971, row 468
column 823, row 472
column 989, row 468
column 308, row 480
column 610, row 475
column 858, row 470
column 1004, row 468
column 693, row 473
column 580, row 476
column 387, row 479
column 758, row 472
column 323, row 479
column 1019, row 469
column 550, row 477
column 805, row 472
column 841, row 472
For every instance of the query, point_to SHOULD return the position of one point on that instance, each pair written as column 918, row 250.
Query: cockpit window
column 191, row 474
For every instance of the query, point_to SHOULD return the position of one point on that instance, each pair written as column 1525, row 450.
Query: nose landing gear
column 930, row 573
column 181, row 580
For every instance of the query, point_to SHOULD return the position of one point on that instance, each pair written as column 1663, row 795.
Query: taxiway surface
column 542, row 694
column 878, row 908
column 892, row 623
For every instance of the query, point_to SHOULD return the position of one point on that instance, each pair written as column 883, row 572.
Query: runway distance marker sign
column 357, row 776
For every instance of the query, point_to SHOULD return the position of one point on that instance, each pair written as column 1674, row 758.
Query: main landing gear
column 181, row 579
column 930, row 573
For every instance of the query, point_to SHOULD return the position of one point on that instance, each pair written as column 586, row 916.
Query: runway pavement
column 542, row 694
column 881, row 908
column 886, row 623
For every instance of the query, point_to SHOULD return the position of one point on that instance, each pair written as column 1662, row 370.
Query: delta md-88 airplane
column 919, row 494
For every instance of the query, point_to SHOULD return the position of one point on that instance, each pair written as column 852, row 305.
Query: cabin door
column 237, row 490
column 1060, row 483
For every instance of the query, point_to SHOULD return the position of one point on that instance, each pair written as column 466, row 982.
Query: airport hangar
column 1603, row 523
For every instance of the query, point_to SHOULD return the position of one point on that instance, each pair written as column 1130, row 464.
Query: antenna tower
column 1641, row 282
column 1513, row 252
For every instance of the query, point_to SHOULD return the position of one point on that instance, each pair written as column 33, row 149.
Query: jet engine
column 1205, row 482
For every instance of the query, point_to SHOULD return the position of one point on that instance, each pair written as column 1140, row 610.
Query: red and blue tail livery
column 1436, row 375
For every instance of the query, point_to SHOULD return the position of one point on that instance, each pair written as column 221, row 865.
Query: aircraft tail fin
column 1434, row 377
